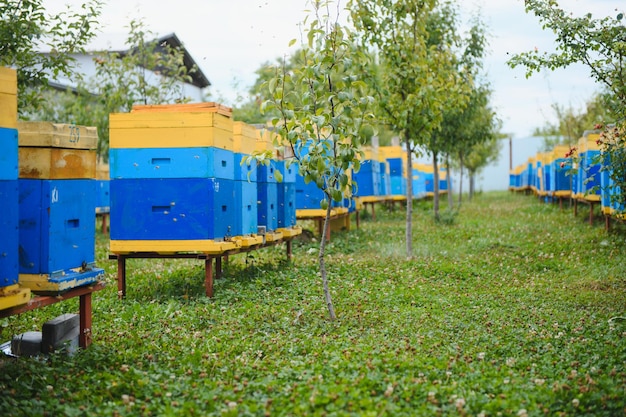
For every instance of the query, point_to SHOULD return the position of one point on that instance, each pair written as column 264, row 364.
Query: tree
column 600, row 45
column 146, row 73
column 26, row 31
column 480, row 155
column 321, row 108
column 414, row 82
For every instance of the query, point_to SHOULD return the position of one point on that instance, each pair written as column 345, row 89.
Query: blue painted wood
column 395, row 166
column 8, row 154
column 398, row 185
column 172, row 209
column 244, row 171
column 9, row 241
column 265, row 173
column 286, row 204
column 103, row 197
column 246, row 208
column 267, row 199
column 289, row 173
column 56, row 224
column 204, row 162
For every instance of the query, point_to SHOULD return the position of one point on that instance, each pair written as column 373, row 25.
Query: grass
column 515, row 308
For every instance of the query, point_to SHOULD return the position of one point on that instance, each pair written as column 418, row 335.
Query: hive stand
column 84, row 293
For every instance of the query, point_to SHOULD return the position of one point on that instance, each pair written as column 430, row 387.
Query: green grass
column 514, row 309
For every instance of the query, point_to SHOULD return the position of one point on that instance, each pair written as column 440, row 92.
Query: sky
column 231, row 39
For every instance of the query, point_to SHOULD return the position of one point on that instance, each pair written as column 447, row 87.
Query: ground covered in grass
column 516, row 308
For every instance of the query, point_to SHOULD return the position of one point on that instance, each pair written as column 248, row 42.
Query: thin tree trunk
column 471, row 185
column 409, row 197
column 435, row 186
column 327, row 297
column 461, row 180
column 450, row 184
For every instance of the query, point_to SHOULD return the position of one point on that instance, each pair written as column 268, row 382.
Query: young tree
column 599, row 44
column 26, row 31
column 321, row 108
column 415, row 80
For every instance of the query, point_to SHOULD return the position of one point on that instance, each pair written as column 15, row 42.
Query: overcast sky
column 230, row 39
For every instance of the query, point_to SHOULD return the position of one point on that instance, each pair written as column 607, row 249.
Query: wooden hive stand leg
column 84, row 337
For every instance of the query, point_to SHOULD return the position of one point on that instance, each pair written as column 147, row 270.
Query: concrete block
column 26, row 344
column 59, row 331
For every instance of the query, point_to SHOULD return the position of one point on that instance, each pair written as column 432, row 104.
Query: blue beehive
column 368, row 179
column 265, row 173
column 172, row 208
column 56, row 225
column 9, row 232
column 245, row 171
column 286, row 204
column 267, row 209
column 198, row 162
column 103, row 196
column 246, row 208
column 398, row 185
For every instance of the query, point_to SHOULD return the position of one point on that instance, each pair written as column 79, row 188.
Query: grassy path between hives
column 513, row 309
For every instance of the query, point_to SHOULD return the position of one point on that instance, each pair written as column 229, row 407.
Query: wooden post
column 289, row 250
column 218, row 267
column 208, row 276
column 84, row 337
column 121, row 276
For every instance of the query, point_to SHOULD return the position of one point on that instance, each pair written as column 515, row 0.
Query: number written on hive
column 74, row 134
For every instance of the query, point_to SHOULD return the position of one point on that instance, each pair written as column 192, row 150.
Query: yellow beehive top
column 244, row 138
column 426, row 168
column 172, row 126
column 560, row 151
column 370, row 153
column 389, row 152
column 208, row 106
column 57, row 135
column 588, row 142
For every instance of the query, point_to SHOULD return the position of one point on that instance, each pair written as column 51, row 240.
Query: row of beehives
column 569, row 172
column 47, row 186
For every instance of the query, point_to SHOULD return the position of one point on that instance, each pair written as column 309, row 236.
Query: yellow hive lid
column 389, row 152
column 560, row 151
column 57, row 135
column 208, row 106
column 8, row 81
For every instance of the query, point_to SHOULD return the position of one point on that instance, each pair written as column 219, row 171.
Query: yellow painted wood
column 40, row 283
column 290, row 231
column 13, row 295
column 389, row 152
column 209, row 106
column 244, row 138
column 370, row 199
column 247, row 241
column 210, row 247
column 314, row 213
column 56, row 163
column 8, row 81
column 8, row 110
column 273, row 236
column 57, row 135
